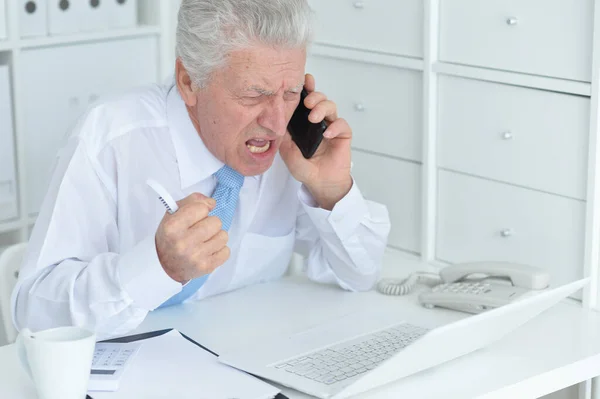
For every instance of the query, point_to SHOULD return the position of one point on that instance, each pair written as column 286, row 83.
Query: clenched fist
column 190, row 243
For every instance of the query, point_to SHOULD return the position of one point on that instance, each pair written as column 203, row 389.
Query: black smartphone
column 305, row 134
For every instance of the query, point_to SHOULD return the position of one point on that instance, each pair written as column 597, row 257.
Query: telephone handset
column 473, row 287
column 305, row 134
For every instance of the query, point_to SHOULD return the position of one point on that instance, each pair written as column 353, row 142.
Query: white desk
column 558, row 349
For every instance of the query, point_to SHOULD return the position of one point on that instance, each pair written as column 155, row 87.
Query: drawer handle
column 359, row 5
column 507, row 136
column 512, row 21
column 30, row 7
column 359, row 107
column 506, row 233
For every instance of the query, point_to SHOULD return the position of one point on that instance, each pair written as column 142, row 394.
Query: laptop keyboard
column 346, row 360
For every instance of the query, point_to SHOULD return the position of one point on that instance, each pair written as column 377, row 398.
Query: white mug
column 58, row 361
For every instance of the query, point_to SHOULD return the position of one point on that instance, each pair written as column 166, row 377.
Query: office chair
column 10, row 263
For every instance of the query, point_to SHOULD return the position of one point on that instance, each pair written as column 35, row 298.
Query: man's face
column 243, row 112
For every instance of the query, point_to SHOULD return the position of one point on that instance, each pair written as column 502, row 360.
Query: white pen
column 163, row 196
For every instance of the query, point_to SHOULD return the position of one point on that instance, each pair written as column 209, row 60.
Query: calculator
column 109, row 363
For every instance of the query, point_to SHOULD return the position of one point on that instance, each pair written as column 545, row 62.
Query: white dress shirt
column 92, row 258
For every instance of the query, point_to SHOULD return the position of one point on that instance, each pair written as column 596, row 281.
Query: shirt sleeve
column 345, row 245
column 74, row 272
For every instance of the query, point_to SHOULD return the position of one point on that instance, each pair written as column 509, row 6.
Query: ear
column 186, row 87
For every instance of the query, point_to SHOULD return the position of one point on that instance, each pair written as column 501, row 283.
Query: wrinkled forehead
column 265, row 69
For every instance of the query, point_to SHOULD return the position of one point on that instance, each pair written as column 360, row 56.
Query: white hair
column 208, row 30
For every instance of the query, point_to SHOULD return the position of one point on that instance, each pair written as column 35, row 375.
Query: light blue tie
column 229, row 183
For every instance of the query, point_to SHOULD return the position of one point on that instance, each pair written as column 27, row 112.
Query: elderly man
column 104, row 252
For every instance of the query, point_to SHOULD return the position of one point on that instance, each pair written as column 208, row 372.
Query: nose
column 273, row 116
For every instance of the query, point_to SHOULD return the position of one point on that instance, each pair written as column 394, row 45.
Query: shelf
column 384, row 155
column 327, row 50
column 14, row 225
column 11, row 226
column 514, row 78
column 86, row 37
column 6, row 45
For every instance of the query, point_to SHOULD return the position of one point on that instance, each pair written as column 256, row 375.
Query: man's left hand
column 327, row 173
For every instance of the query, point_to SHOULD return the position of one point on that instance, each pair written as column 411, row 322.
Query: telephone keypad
column 464, row 288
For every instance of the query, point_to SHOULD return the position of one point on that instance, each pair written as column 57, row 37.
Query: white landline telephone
column 472, row 287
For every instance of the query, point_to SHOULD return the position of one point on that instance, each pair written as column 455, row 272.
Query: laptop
column 364, row 350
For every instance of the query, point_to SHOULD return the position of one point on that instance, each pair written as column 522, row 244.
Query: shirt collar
column 194, row 160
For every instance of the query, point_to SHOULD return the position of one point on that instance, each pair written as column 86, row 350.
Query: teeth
column 259, row 150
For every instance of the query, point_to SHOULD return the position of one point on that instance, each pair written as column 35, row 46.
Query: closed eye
column 291, row 96
column 252, row 99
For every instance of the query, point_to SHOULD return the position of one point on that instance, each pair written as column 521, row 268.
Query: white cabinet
column 531, row 138
column 8, row 182
column 481, row 151
column 479, row 220
column 385, row 26
column 368, row 96
column 68, row 79
column 396, row 184
column 543, row 37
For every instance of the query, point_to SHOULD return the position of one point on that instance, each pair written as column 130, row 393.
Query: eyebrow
column 297, row 88
column 264, row 92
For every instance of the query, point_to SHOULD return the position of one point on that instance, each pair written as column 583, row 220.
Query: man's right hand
column 190, row 243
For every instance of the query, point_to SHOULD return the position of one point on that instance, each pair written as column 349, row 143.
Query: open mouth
column 258, row 146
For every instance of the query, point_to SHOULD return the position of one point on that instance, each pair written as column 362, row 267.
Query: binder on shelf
column 95, row 15
column 8, row 184
column 33, row 18
column 122, row 13
column 3, row 28
column 64, row 16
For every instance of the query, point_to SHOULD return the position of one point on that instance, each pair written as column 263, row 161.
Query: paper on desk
column 169, row 366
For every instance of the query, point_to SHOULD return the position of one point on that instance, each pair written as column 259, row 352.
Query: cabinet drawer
column 8, row 183
column 61, row 83
column 382, row 104
column 394, row 27
column 482, row 220
column 523, row 136
column 397, row 185
column 543, row 37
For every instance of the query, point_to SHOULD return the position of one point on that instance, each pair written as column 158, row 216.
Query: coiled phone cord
column 404, row 287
